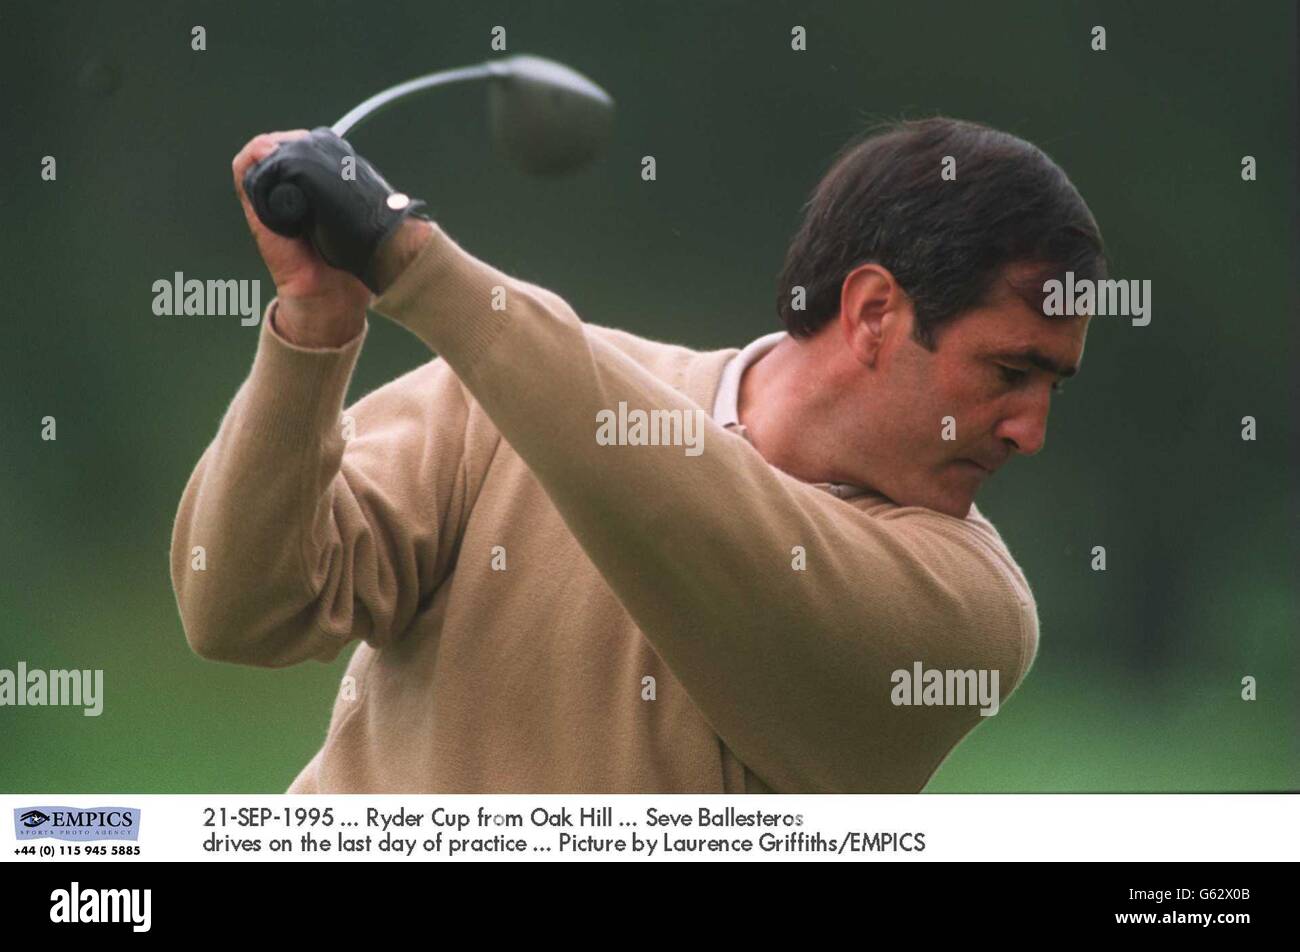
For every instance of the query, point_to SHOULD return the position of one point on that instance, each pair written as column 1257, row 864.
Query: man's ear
column 873, row 309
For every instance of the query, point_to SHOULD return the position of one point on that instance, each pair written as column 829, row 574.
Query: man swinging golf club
column 537, row 610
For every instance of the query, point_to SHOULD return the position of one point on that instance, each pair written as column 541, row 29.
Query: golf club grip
column 286, row 209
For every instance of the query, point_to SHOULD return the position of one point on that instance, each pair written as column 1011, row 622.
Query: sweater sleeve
column 792, row 668
column 303, row 526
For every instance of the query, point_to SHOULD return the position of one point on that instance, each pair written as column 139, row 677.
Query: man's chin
column 951, row 500
column 957, row 508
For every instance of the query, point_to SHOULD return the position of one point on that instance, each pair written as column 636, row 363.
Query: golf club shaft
column 380, row 101
column 288, row 205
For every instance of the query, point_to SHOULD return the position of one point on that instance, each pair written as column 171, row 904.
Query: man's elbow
column 225, row 629
column 212, row 641
column 216, row 638
column 241, row 612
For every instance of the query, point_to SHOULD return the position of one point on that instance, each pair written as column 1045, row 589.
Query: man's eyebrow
column 1039, row 360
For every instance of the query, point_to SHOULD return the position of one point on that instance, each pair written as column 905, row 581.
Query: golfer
column 539, row 606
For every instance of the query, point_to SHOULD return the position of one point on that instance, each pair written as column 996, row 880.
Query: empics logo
column 81, row 824
column 76, row 905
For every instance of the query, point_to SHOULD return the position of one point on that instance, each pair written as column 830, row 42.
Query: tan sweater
column 389, row 522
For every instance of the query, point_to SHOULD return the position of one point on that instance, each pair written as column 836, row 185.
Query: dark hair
column 945, row 242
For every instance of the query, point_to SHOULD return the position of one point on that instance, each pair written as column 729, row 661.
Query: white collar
column 726, row 406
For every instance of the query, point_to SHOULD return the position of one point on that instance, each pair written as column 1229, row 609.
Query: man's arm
column 792, row 668
column 304, row 527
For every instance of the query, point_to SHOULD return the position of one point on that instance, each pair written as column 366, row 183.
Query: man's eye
column 1012, row 374
column 1016, row 375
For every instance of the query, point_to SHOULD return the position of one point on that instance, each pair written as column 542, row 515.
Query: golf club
column 544, row 117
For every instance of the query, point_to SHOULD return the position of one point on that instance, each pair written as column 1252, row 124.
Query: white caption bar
column 1164, row 827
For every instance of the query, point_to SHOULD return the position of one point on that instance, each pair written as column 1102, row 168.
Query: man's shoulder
column 695, row 372
column 979, row 567
column 984, row 536
column 975, row 530
column 644, row 348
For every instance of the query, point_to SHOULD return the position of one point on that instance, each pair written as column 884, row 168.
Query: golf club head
column 544, row 117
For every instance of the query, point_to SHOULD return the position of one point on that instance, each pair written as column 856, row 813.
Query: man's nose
column 1025, row 429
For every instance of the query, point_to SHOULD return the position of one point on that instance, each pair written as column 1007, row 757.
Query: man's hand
column 399, row 250
column 319, row 306
column 343, row 204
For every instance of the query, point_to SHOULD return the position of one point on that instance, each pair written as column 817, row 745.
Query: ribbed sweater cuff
column 462, row 324
column 293, row 395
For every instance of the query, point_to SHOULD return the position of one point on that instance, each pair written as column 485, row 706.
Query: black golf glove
column 346, row 219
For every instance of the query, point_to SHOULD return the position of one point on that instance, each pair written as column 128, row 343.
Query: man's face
column 942, row 421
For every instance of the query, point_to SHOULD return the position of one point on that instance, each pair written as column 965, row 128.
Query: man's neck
column 784, row 404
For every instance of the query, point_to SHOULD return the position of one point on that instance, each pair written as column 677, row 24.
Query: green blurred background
column 1137, row 683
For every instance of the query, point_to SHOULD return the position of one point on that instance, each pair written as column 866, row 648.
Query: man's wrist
column 400, row 250
column 315, row 323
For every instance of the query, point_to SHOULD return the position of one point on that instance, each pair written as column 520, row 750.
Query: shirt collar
column 726, row 406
